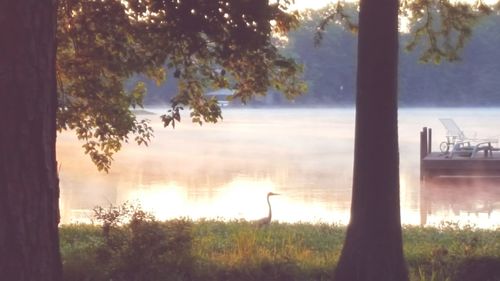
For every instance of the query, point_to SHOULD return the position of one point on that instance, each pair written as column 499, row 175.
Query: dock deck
column 436, row 164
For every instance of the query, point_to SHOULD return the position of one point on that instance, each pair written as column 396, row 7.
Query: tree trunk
column 29, row 185
column 373, row 246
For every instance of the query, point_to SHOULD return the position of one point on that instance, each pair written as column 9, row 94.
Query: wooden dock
column 443, row 164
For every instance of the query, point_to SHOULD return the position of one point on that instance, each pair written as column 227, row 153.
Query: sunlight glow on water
column 225, row 170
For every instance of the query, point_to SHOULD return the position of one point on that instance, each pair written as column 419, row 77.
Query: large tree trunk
column 373, row 246
column 29, row 185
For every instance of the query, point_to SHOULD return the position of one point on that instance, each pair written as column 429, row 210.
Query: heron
column 266, row 220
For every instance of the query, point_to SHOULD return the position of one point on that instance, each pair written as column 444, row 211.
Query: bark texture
column 29, row 185
column 373, row 246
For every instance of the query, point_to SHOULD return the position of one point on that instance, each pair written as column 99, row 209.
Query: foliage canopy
column 205, row 44
column 440, row 28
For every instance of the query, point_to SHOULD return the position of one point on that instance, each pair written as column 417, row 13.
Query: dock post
column 429, row 141
column 424, row 148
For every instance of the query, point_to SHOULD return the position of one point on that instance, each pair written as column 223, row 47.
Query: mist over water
column 225, row 170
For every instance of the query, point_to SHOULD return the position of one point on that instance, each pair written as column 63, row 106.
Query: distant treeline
column 330, row 70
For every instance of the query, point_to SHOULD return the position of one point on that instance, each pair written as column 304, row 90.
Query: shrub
column 133, row 246
column 79, row 244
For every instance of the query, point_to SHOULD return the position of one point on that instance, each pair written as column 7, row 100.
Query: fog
column 224, row 170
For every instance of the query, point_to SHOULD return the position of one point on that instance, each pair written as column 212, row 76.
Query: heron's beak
column 272, row 193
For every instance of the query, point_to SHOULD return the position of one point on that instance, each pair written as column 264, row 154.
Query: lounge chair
column 458, row 141
column 465, row 149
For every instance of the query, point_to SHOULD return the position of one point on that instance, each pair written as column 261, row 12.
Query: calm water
column 225, row 170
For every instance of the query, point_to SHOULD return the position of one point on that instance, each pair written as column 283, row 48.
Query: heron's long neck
column 270, row 212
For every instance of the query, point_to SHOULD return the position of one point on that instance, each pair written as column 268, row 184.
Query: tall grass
column 145, row 249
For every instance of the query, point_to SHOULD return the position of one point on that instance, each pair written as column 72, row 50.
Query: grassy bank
column 213, row 250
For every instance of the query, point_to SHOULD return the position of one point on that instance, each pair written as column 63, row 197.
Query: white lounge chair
column 465, row 149
column 460, row 143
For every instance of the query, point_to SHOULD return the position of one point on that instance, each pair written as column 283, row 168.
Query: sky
column 316, row 4
column 313, row 4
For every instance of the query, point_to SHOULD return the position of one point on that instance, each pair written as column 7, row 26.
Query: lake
column 225, row 170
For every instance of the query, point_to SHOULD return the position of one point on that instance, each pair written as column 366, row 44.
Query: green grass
column 215, row 250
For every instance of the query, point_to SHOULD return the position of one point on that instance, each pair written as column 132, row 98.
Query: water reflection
column 225, row 170
column 473, row 201
column 241, row 198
